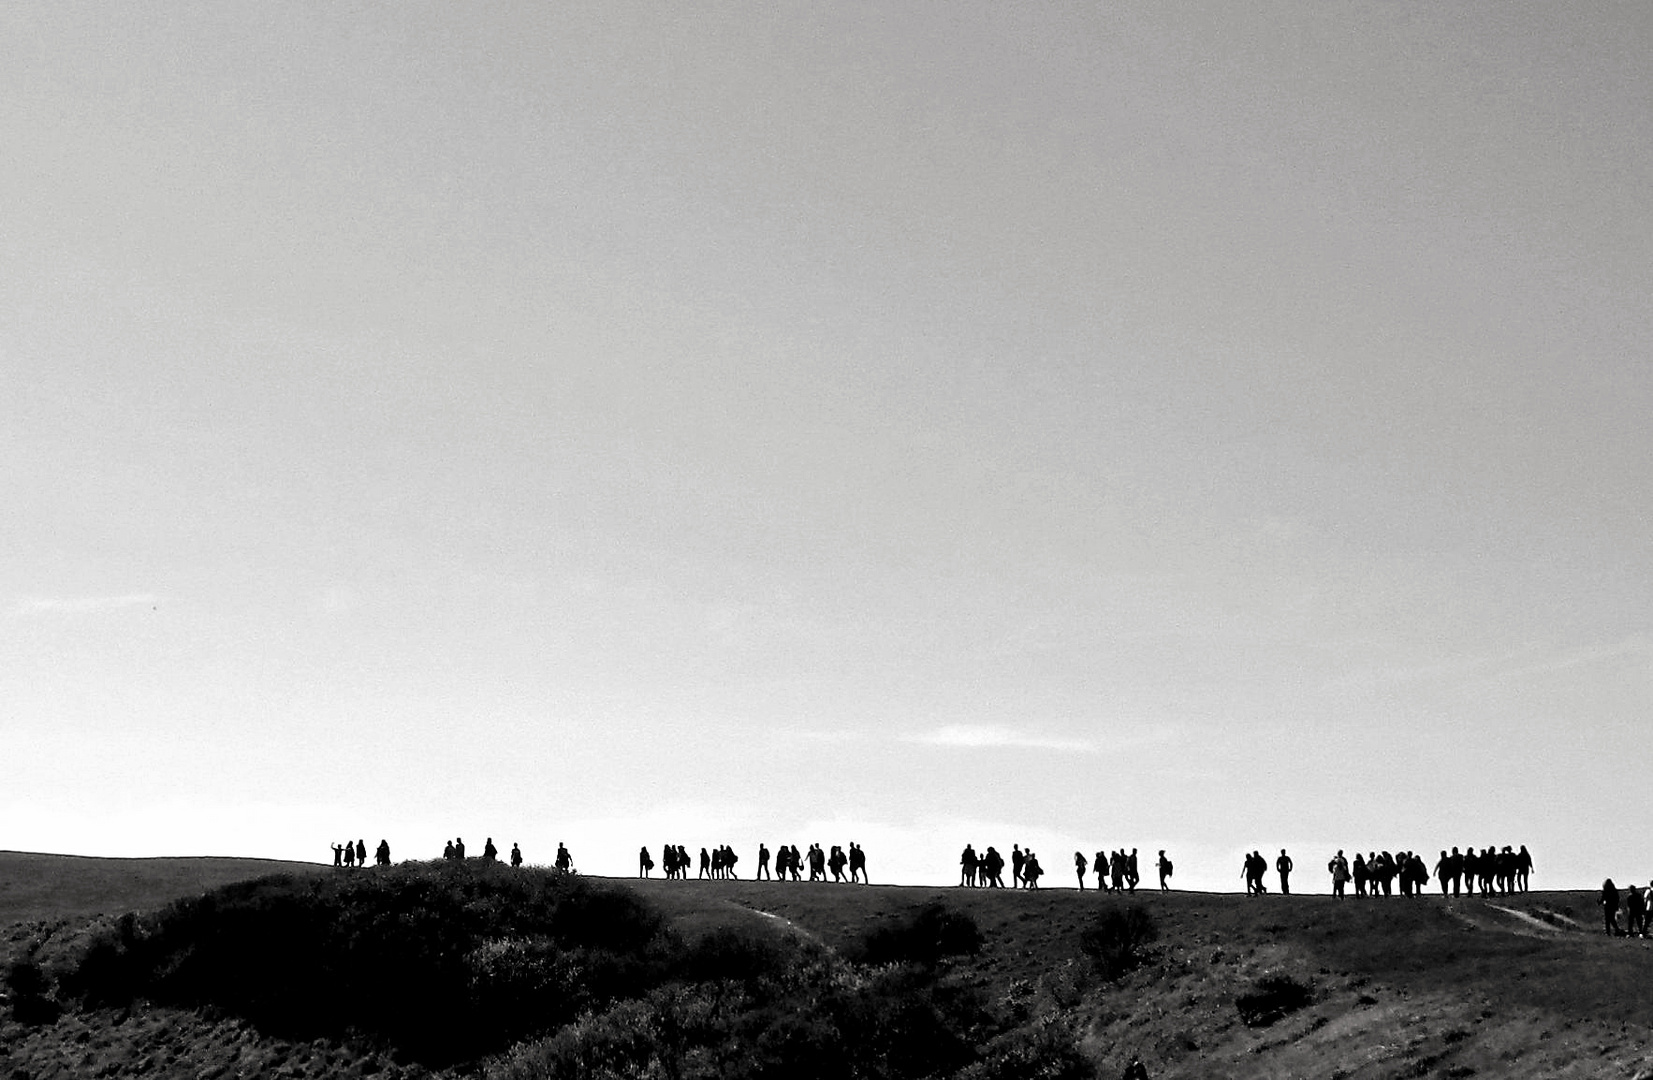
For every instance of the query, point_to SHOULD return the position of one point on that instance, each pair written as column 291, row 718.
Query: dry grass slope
column 1512, row 987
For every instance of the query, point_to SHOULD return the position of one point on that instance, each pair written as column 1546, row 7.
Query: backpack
column 1167, row 867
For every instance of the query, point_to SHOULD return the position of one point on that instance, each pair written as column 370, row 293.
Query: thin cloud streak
column 983, row 737
column 79, row 605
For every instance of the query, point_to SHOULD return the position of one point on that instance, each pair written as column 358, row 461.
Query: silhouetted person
column 1383, row 875
column 489, row 852
column 1523, row 867
column 857, row 864
column 516, row 855
column 1339, row 867
column 382, row 854
column 645, row 861
column 991, row 868
column 565, row 861
column 459, row 847
column 1283, row 865
column 1079, row 868
column 969, row 864
column 349, row 854
column 1610, row 906
column 1635, row 912
column 338, row 855
column 447, row 850
column 1131, row 874
column 1031, row 870
column 1164, row 866
column 361, row 852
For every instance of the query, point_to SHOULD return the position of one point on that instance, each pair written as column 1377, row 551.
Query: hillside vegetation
column 478, row 969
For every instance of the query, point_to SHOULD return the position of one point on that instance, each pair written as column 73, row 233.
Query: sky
column 1205, row 427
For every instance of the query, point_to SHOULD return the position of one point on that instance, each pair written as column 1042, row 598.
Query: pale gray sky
column 1081, row 425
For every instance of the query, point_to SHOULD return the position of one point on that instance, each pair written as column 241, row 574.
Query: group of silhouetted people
column 1116, row 871
column 355, row 854
column 986, row 870
column 455, row 849
column 1636, row 904
column 1119, row 871
column 1489, row 870
column 789, row 863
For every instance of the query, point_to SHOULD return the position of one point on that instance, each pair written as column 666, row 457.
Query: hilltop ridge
column 1517, row 985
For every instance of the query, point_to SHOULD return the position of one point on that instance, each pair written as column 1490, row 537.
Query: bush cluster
column 531, row 974
column 30, row 994
column 923, row 936
column 445, row 962
column 1272, row 998
column 1119, row 941
column 785, row 1008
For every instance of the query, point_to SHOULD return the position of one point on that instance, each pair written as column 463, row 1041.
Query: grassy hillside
column 48, row 887
column 1512, row 986
column 745, row 978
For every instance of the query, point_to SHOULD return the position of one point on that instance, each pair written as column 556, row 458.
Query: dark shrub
column 744, row 955
column 31, row 999
column 446, row 962
column 923, row 937
column 1041, row 1051
column 1119, row 941
column 1272, row 997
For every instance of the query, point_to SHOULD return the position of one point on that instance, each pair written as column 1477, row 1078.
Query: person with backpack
column 1165, row 869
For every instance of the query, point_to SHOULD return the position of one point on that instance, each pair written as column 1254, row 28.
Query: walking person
column 1283, row 865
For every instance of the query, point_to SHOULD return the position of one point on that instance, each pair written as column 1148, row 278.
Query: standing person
column 1283, row 865
column 858, row 864
column 1635, row 912
column 565, row 861
column 968, row 864
column 1165, row 869
column 992, row 866
column 338, row 855
column 1339, row 866
column 1609, row 906
column 1523, row 867
column 1031, row 870
column 1079, row 868
column 763, row 862
column 382, row 855
column 1017, row 862
column 459, row 848
column 489, row 852
column 645, row 861
column 349, row 854
column 1131, row 874
column 361, row 852
column 516, row 856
